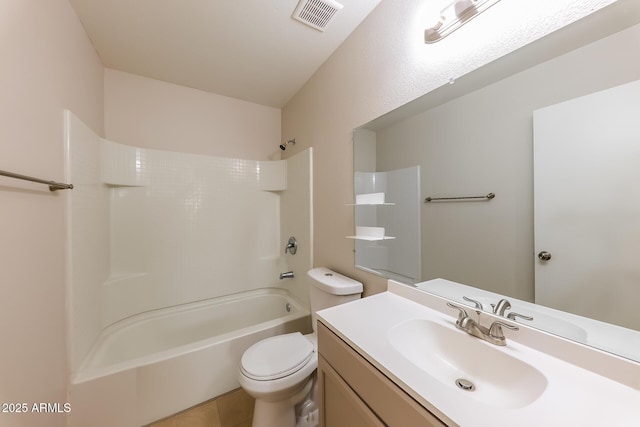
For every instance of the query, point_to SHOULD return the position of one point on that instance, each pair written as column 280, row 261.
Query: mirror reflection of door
column 587, row 205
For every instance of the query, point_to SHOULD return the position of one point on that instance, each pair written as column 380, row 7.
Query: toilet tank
column 328, row 288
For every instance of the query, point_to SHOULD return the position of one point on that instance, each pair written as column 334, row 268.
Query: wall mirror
column 486, row 133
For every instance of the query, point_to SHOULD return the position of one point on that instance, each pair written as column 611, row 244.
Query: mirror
column 476, row 137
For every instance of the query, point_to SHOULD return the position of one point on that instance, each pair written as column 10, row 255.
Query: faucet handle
column 292, row 246
column 463, row 313
column 478, row 304
column 495, row 331
column 513, row 316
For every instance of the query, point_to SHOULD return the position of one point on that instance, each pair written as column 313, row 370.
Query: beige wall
column 382, row 65
column 48, row 64
column 153, row 114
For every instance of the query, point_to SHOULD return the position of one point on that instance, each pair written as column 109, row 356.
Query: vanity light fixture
column 454, row 16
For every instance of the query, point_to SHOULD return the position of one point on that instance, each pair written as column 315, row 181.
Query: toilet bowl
column 279, row 371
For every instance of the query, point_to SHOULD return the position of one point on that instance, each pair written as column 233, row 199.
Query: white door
column 587, row 205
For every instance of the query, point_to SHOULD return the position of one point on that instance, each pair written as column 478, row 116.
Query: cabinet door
column 350, row 386
column 340, row 406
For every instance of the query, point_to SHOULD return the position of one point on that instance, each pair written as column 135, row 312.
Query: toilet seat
column 277, row 357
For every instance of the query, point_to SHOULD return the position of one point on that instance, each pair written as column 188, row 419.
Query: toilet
column 279, row 372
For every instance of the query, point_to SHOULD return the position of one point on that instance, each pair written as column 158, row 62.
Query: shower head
column 283, row 146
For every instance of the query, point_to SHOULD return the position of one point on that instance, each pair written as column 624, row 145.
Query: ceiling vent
column 316, row 13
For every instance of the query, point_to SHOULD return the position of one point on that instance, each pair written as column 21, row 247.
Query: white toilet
column 279, row 371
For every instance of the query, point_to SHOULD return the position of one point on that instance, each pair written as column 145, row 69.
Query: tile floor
column 234, row 409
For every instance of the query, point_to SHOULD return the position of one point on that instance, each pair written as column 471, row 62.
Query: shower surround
column 151, row 230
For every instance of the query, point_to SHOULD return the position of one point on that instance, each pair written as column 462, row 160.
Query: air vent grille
column 316, row 13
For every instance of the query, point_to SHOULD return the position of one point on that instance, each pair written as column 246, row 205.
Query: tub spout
column 287, row 275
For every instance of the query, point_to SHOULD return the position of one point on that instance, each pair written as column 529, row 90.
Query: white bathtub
column 157, row 363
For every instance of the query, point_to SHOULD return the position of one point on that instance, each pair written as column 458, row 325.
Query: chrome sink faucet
column 504, row 305
column 492, row 334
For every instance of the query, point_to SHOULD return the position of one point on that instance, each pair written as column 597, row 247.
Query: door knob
column 544, row 256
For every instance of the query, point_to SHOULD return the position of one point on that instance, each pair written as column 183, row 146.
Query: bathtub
column 157, row 363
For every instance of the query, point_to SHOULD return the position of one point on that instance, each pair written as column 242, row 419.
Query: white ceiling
column 246, row 49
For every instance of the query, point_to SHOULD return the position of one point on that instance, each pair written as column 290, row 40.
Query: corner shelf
column 370, row 204
column 370, row 199
column 370, row 234
column 370, row 238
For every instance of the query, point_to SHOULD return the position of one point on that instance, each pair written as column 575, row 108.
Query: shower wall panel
column 88, row 263
column 158, row 228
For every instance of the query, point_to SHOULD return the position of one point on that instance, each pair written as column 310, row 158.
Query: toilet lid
column 276, row 357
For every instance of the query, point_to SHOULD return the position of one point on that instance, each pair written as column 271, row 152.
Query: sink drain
column 465, row 385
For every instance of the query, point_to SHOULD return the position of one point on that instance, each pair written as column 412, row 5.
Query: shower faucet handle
column 292, row 246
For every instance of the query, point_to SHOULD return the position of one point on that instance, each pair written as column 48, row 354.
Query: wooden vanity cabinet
column 354, row 393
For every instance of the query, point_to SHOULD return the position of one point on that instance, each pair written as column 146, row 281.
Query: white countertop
column 574, row 396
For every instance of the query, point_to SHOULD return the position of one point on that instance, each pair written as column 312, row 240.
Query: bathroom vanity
column 353, row 392
column 397, row 359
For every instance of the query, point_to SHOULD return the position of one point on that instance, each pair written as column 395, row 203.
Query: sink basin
column 448, row 354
